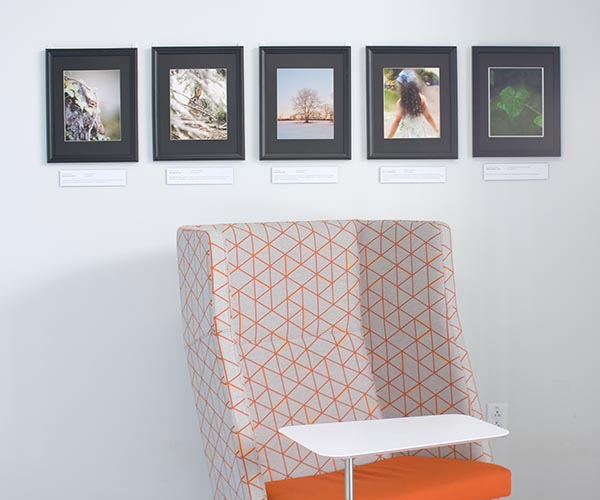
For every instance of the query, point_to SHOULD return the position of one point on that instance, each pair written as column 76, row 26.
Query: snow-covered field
column 321, row 129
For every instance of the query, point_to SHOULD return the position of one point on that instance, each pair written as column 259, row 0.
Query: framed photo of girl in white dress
column 411, row 102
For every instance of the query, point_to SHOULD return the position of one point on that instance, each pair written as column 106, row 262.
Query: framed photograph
column 198, row 103
column 411, row 103
column 305, row 103
column 91, row 97
column 516, row 101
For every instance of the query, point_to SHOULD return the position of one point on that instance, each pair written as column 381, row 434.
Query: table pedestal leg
column 349, row 479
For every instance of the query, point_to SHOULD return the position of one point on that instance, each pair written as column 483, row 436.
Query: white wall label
column 92, row 178
column 199, row 175
column 515, row 171
column 390, row 175
column 304, row 175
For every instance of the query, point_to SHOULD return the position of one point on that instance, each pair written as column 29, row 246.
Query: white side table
column 348, row 440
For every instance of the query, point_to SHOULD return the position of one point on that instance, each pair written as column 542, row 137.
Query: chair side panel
column 227, row 436
column 410, row 323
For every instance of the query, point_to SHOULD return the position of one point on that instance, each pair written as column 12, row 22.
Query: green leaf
column 539, row 120
column 512, row 101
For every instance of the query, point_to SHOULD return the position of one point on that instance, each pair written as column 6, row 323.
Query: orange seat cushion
column 402, row 478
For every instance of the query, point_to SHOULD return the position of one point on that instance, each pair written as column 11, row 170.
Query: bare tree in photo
column 306, row 103
column 327, row 112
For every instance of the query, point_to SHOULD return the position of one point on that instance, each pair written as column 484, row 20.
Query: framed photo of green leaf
column 411, row 103
column 198, row 103
column 516, row 101
column 91, row 97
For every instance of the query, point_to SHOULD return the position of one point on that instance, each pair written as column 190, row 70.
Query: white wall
column 95, row 401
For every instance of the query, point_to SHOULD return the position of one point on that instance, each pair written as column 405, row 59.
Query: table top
column 365, row 437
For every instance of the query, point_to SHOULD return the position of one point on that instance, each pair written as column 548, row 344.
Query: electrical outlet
column 497, row 414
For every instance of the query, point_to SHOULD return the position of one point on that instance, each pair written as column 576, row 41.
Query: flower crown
column 406, row 76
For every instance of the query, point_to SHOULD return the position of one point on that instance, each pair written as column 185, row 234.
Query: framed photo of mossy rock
column 305, row 103
column 411, row 103
column 198, row 103
column 516, row 101
column 91, row 97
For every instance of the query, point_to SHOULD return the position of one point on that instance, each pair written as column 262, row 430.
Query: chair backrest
column 276, row 318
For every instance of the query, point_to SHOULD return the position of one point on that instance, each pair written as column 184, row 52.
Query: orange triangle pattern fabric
column 412, row 329
column 294, row 293
column 289, row 323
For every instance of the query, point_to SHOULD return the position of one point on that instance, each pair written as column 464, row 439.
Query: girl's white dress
column 412, row 127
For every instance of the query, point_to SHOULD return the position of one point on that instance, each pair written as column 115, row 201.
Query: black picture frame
column 91, row 143
column 379, row 145
column 338, row 147
column 493, row 138
column 227, row 139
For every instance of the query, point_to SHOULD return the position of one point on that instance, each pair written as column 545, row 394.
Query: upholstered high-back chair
column 311, row 322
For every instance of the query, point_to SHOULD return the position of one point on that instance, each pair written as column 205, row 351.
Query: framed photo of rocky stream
column 305, row 103
column 198, row 103
column 516, row 101
column 411, row 103
column 91, row 97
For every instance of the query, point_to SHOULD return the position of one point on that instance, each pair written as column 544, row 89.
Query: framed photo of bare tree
column 198, row 103
column 516, row 101
column 411, row 103
column 91, row 97
column 305, row 103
